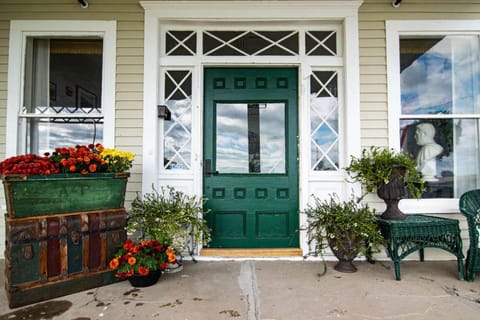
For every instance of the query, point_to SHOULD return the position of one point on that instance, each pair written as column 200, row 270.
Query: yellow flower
column 117, row 160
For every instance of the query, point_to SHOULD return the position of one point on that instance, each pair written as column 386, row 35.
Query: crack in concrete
column 455, row 293
column 247, row 281
column 396, row 316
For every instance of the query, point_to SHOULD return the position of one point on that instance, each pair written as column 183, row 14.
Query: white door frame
column 161, row 13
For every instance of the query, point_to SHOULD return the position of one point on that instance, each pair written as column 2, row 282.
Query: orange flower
column 99, row 147
column 169, row 251
column 132, row 261
column 143, row 271
column 72, row 168
column 114, row 263
column 84, row 172
column 64, row 162
column 92, row 167
column 172, row 258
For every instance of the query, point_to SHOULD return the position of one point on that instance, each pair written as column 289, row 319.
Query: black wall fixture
column 83, row 4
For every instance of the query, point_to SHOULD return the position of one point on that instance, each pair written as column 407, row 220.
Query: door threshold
column 250, row 253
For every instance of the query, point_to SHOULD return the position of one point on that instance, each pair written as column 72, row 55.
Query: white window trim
column 395, row 29
column 20, row 30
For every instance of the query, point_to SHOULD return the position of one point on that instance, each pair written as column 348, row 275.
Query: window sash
column 417, row 28
column 20, row 31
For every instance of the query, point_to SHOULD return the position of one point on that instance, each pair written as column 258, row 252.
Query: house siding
column 130, row 54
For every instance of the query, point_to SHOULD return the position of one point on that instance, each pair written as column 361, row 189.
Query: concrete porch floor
column 267, row 290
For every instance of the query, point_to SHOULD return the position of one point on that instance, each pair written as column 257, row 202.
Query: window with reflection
column 250, row 137
column 62, row 93
column 439, row 121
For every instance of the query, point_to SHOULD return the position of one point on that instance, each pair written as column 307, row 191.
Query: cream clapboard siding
column 129, row 76
column 373, row 68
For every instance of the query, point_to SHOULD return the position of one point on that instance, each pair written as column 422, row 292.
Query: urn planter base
column 346, row 266
column 393, row 212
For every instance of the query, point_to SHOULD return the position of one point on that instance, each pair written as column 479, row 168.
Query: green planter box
column 28, row 196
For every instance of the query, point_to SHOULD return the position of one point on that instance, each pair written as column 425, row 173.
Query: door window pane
column 250, row 137
column 440, row 111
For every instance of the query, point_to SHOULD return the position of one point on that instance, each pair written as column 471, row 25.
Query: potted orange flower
column 142, row 263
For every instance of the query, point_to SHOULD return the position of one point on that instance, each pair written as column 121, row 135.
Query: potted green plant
column 169, row 216
column 348, row 227
column 388, row 173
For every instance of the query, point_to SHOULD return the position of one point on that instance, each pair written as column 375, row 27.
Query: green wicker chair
column 470, row 208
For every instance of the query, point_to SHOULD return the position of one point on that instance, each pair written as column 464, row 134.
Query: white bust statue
column 426, row 158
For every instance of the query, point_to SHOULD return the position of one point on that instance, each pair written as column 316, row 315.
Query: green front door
column 251, row 157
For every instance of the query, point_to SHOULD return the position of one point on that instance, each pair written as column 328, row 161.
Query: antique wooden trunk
column 51, row 256
column 61, row 233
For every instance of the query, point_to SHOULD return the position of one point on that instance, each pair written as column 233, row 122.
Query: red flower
column 143, row 271
column 28, row 164
column 136, row 249
column 163, row 266
column 128, row 244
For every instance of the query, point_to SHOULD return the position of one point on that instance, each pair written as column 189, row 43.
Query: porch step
column 249, row 253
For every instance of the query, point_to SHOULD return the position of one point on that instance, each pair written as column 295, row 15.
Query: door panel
column 250, row 152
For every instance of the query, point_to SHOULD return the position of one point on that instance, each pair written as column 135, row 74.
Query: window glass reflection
column 50, row 134
column 250, row 137
column 439, row 75
column 447, row 154
column 440, row 81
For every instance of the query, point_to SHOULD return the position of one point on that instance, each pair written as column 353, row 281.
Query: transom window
column 251, row 42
